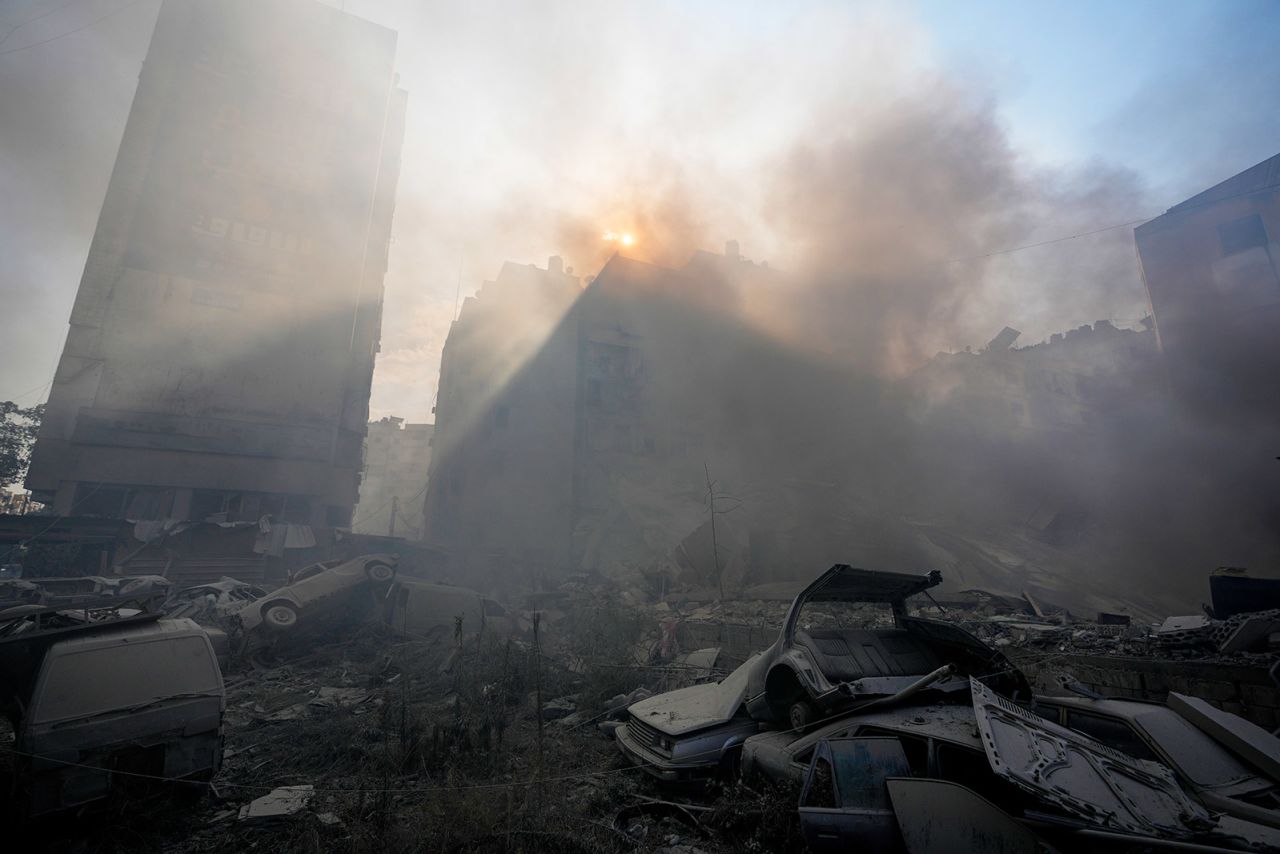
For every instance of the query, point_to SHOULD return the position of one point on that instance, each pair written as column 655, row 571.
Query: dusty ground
column 405, row 754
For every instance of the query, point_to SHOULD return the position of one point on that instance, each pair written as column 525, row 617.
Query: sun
column 623, row 238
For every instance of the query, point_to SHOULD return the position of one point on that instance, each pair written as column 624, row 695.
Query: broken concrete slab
column 277, row 804
column 1252, row 632
column 1247, row 740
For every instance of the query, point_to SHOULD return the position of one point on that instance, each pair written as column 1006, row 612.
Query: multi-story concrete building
column 397, row 460
column 1212, row 270
column 221, row 344
column 571, row 429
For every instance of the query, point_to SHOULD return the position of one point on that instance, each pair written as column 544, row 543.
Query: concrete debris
column 1259, row 747
column 279, row 803
column 1233, row 591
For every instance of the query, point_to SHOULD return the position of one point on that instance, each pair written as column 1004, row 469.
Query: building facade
column 1212, row 270
column 397, row 460
column 222, row 340
column 569, row 435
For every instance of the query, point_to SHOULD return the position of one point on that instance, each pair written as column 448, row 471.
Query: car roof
column 844, row 583
column 112, row 636
column 1108, row 705
column 953, row 723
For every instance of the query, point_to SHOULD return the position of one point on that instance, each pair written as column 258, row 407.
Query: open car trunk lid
column 1081, row 776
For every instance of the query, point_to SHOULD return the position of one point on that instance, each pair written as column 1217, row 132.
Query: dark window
column 821, row 792
column 1111, row 732
column 149, row 504
column 1241, row 235
column 205, row 502
column 96, row 499
column 337, row 516
column 862, row 765
column 594, row 393
column 297, row 509
column 1046, row 711
column 916, row 749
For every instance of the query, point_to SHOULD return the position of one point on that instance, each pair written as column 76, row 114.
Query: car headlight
column 664, row 743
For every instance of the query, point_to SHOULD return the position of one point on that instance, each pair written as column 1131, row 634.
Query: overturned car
column 848, row 640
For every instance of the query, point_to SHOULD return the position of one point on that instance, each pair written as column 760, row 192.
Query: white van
column 144, row 699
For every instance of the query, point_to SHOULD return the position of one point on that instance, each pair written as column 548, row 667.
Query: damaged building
column 222, row 340
column 560, row 444
column 397, row 458
column 1211, row 265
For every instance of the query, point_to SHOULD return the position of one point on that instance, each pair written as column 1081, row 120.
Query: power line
column 38, row 388
column 1181, row 209
column 96, row 20
column 36, row 18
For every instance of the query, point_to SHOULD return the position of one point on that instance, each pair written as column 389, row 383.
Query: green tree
column 18, row 428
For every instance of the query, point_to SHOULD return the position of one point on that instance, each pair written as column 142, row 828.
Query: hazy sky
column 535, row 127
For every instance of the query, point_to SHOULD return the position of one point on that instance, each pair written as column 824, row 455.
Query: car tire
column 379, row 572
column 800, row 716
column 280, row 616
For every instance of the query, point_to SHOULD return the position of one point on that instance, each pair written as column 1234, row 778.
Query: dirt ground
column 433, row 744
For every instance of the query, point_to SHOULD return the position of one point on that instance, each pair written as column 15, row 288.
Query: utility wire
column 96, row 20
column 36, row 18
column 1182, row 208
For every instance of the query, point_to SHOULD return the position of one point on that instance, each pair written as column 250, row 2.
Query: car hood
column 696, row 707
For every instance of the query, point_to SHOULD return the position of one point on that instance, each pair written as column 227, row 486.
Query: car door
column 844, row 804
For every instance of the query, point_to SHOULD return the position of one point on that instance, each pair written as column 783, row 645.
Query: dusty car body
column 423, row 608
column 689, row 734
column 1154, row 732
column 216, row 599
column 314, row 589
column 811, row 673
column 844, row 805
column 143, row 698
column 935, row 734
column 1092, row 783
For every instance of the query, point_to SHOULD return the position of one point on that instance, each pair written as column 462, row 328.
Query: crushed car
column 1223, row 781
column 848, row 640
column 690, row 734
column 698, row 732
column 314, row 590
column 214, row 600
column 128, row 694
column 999, row 778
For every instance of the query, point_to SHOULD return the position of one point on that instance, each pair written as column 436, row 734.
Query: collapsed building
column 1212, row 274
column 597, row 438
column 222, row 340
column 560, row 445
column 397, row 458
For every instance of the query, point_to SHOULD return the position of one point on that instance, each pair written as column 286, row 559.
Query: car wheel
column 800, row 715
column 379, row 572
column 280, row 617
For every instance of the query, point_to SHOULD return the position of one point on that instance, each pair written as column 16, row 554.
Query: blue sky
column 1182, row 91
column 533, row 127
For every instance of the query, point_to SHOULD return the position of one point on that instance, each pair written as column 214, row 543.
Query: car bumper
column 658, row 766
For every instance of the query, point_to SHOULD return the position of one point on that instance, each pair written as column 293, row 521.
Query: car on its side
column 690, row 734
column 849, row 640
column 314, row 589
column 424, row 608
column 1223, row 781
